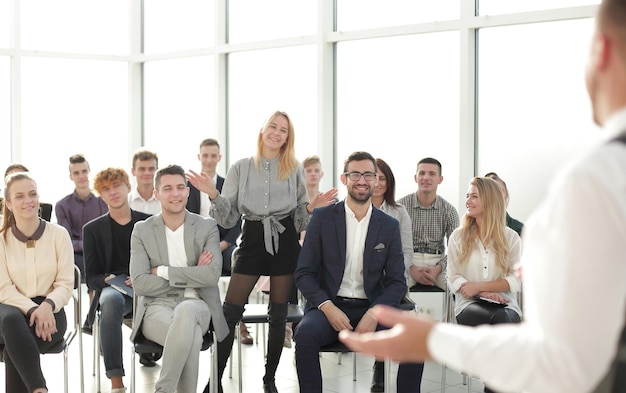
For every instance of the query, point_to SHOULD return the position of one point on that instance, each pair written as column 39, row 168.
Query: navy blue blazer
column 193, row 205
column 322, row 260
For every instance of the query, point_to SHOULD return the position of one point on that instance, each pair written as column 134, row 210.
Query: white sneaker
column 118, row 390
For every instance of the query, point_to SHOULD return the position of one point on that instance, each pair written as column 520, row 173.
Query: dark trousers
column 22, row 348
column 314, row 331
column 484, row 313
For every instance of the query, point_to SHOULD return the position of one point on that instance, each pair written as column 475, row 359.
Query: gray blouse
column 256, row 194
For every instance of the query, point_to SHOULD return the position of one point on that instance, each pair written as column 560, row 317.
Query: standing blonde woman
column 269, row 192
column 36, row 281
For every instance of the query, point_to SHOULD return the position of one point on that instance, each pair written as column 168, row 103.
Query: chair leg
column 95, row 329
column 80, row 355
column 239, row 360
column 387, row 372
column 65, row 377
column 132, row 369
column 443, row 378
column 353, row 365
column 213, row 373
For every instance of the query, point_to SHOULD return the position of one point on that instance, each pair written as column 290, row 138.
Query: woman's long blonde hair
column 287, row 155
column 492, row 229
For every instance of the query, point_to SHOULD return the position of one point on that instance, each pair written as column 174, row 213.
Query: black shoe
column 378, row 380
column 86, row 328
column 147, row 359
column 269, row 387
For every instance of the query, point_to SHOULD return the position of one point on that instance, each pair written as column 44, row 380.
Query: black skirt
column 251, row 257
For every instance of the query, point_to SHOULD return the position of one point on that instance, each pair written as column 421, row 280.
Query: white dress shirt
column 356, row 232
column 574, row 280
column 137, row 203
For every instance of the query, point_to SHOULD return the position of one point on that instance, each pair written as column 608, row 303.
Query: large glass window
column 5, row 114
column 178, row 25
column 79, row 26
column 70, row 107
column 367, row 14
column 5, row 25
column 534, row 113
column 179, row 108
column 493, row 7
column 262, row 82
column 253, row 20
column 398, row 99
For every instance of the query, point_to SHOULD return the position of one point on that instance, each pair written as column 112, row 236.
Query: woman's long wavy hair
column 492, row 229
column 9, row 218
column 390, row 194
column 287, row 155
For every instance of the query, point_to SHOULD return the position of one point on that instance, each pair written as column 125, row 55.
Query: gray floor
column 337, row 378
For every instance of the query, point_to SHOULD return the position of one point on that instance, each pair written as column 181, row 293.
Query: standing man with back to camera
column 574, row 260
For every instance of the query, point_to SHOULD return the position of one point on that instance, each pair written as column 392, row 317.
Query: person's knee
column 112, row 303
column 187, row 311
column 505, row 315
column 11, row 318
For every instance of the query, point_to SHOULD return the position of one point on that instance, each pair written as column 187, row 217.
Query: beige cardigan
column 44, row 270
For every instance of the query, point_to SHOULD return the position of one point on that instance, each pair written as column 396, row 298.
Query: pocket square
column 379, row 247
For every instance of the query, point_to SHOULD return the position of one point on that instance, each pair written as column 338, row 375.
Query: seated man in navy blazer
column 350, row 261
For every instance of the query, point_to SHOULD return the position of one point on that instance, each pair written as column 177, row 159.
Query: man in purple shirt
column 78, row 208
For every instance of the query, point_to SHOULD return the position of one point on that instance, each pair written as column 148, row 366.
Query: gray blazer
column 148, row 249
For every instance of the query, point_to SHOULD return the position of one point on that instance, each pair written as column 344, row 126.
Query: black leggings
column 483, row 313
column 22, row 348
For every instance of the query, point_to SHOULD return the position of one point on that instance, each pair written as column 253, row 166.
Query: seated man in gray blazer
column 175, row 264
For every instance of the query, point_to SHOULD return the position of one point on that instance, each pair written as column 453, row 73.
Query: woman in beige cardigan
column 36, row 281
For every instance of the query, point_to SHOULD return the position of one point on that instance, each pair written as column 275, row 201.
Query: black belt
column 351, row 299
column 427, row 250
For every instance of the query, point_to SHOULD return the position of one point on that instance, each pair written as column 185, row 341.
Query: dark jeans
column 22, row 348
column 314, row 331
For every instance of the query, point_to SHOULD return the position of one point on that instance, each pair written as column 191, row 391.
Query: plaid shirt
column 431, row 224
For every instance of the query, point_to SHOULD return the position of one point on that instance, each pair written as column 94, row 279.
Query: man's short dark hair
column 359, row 156
column 430, row 160
column 145, row 155
column 78, row 159
column 210, row 142
column 168, row 170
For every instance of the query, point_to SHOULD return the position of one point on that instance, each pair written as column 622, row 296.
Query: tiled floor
column 337, row 378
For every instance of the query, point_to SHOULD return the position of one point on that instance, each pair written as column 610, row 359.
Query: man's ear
column 344, row 181
column 602, row 51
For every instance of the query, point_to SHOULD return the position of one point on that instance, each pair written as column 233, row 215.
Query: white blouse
column 481, row 266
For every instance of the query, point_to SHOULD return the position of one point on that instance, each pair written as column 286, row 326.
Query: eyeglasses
column 355, row 176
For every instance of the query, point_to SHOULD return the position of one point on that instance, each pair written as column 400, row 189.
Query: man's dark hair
column 168, row 170
column 210, row 142
column 78, row 159
column 359, row 156
column 430, row 160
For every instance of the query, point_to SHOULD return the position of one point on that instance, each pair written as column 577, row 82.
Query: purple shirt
column 72, row 213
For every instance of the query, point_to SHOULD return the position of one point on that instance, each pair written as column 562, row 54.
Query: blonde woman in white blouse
column 481, row 255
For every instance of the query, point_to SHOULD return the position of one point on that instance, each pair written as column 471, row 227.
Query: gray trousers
column 178, row 325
